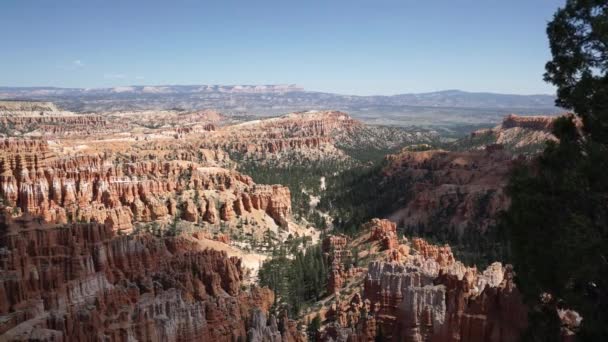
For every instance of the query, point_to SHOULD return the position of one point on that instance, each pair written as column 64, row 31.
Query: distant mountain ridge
column 443, row 98
column 433, row 109
column 148, row 89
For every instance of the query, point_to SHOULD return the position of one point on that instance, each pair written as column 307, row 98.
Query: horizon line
column 292, row 85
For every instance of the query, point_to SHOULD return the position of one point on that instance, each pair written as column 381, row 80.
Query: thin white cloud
column 73, row 65
column 114, row 76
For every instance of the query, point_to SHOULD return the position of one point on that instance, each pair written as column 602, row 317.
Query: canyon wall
column 450, row 191
column 92, row 188
column 419, row 292
column 82, row 282
column 73, row 268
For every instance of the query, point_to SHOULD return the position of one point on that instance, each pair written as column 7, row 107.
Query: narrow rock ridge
column 538, row 123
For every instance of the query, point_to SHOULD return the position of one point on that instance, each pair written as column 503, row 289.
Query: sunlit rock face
column 460, row 190
column 80, row 282
column 91, row 188
column 419, row 292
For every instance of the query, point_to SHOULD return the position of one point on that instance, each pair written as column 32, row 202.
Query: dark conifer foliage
column 297, row 281
column 557, row 225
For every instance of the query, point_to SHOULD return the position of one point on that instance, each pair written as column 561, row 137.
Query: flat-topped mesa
column 108, row 287
column 57, row 125
column 18, row 108
column 517, row 134
column 93, row 189
column 296, row 132
column 539, row 123
column 324, row 123
column 19, row 118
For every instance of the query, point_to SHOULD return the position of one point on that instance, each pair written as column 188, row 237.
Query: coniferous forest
column 557, row 225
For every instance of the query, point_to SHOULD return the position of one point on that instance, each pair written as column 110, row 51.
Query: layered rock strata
column 335, row 253
column 93, row 188
column 421, row 293
column 82, row 282
column 451, row 191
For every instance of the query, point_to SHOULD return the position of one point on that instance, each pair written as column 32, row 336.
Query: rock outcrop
column 309, row 135
column 450, row 191
column 20, row 108
column 83, row 282
column 518, row 134
column 384, row 231
column 335, row 252
column 93, row 188
column 424, row 294
column 25, row 118
column 537, row 123
column 272, row 329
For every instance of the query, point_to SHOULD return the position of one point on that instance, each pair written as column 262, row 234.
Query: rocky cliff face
column 308, row 135
column 537, row 123
column 419, row 292
column 384, row 231
column 73, row 268
column 55, row 125
column 83, row 282
column 335, row 253
column 518, row 134
column 23, row 118
column 9, row 108
column 454, row 191
column 272, row 329
column 94, row 189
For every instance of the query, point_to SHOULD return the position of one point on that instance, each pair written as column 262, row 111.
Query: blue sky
column 350, row 47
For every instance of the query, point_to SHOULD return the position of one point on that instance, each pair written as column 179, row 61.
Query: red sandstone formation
column 70, row 271
column 521, row 133
column 273, row 329
column 44, row 119
column 93, row 189
column 82, row 282
column 538, row 123
column 182, row 122
column 462, row 190
column 223, row 238
column 570, row 323
column 302, row 132
column 384, row 231
column 58, row 125
column 430, row 297
column 335, row 251
column 441, row 254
